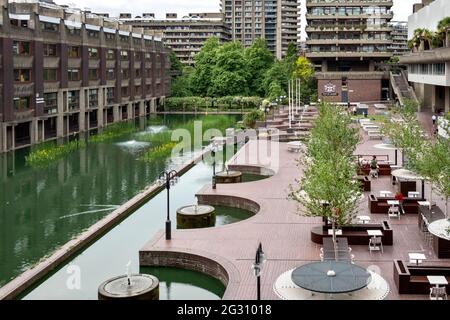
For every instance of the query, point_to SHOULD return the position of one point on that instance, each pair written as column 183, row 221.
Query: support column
column 141, row 108
column 2, row 138
column 82, row 116
column 101, row 106
column 447, row 99
column 60, row 118
column 116, row 113
column 433, row 98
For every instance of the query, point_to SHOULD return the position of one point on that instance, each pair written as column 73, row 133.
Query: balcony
column 330, row 54
column 348, row 41
column 348, row 3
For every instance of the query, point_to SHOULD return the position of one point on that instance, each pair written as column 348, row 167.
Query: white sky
column 402, row 8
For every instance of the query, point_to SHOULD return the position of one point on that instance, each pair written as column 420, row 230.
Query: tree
column 181, row 86
column 258, row 59
column 276, row 75
column 176, row 67
column 303, row 69
column 205, row 61
column 328, row 188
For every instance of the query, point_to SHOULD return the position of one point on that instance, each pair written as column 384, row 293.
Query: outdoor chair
column 374, row 173
column 375, row 244
column 438, row 293
column 394, row 212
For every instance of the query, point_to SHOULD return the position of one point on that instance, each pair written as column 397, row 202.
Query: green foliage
column 258, row 59
column 176, row 67
column 303, row 69
column 45, row 154
column 330, row 171
column 181, row 85
column 252, row 117
column 212, row 104
column 161, row 151
column 113, row 131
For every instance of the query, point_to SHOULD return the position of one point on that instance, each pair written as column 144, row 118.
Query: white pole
column 290, row 102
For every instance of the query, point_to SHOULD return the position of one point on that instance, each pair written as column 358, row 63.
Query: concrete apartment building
column 347, row 39
column 429, row 70
column 277, row 21
column 186, row 35
column 399, row 35
column 64, row 71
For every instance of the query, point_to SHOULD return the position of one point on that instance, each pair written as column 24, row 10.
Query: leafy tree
column 328, row 188
column 205, row 61
column 303, row 69
column 276, row 74
column 176, row 67
column 181, row 85
column 258, row 59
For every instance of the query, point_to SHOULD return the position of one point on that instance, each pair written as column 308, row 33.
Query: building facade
column 184, row 36
column 277, row 21
column 64, row 72
column 429, row 69
column 399, row 44
column 347, row 41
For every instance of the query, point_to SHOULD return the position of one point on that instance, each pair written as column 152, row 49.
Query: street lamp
column 260, row 259
column 169, row 179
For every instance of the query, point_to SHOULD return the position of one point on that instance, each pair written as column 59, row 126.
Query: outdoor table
column 437, row 281
column 393, row 203
column 331, row 277
column 413, row 194
column 364, row 219
column 417, row 257
column 375, row 233
column 385, row 194
column 441, row 242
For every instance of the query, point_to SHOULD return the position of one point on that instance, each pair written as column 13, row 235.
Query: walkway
column 284, row 234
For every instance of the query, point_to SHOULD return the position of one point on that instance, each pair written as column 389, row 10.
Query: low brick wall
column 228, row 201
column 252, row 169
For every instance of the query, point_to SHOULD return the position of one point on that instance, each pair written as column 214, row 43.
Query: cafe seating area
column 380, row 205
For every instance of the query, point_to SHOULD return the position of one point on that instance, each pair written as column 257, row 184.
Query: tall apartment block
column 184, row 36
column 277, row 21
column 399, row 44
column 346, row 41
column 64, row 71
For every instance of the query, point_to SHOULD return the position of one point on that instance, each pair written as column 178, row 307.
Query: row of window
column 438, row 69
column 23, row 48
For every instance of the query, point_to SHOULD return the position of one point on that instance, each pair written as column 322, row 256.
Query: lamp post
column 260, row 259
column 169, row 179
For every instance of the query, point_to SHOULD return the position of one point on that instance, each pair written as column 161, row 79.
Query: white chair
column 375, row 244
column 394, row 212
column 438, row 293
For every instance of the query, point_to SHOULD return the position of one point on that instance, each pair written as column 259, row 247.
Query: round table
column 439, row 229
column 331, row 277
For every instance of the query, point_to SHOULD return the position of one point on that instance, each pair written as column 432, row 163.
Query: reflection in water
column 133, row 146
column 180, row 284
column 42, row 209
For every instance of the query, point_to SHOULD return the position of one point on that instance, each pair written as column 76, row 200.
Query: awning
column 19, row 16
column 124, row 33
column 72, row 24
column 92, row 27
column 49, row 19
column 406, row 175
column 137, row 35
column 157, row 38
column 148, row 37
column 107, row 30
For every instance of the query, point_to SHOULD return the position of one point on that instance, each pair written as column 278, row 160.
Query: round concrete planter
column 229, row 177
column 143, row 287
column 194, row 217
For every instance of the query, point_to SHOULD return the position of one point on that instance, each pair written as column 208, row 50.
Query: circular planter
column 229, row 177
column 143, row 287
column 194, row 217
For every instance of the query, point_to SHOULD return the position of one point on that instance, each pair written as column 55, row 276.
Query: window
column 21, row 48
column 50, row 74
column 110, row 36
column 50, row 50
column 125, row 92
column 92, row 33
column 93, row 53
column 137, row 56
column 93, row 74
column 110, row 95
column 73, row 99
column 137, row 90
column 124, row 55
column 136, row 41
column 22, row 103
column 73, row 31
column 19, row 23
column 148, row 56
column 73, row 52
column 137, row 73
column 148, row 73
column 110, row 54
column 51, row 103
column 125, row 74
column 124, row 39
column 45, row 26
column 93, row 98
column 22, row 75
column 110, row 74
column 73, row 74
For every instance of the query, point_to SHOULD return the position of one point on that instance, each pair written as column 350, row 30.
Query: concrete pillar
column 101, row 106
column 33, row 131
column 2, row 138
column 82, row 116
column 116, row 112
column 433, row 98
column 324, row 66
column 141, row 108
column 371, row 66
column 13, row 138
column 130, row 110
column 60, row 118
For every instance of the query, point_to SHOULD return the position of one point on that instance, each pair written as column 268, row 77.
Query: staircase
column 401, row 87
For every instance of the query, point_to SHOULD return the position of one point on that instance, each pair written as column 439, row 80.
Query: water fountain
column 196, row 216
column 130, row 287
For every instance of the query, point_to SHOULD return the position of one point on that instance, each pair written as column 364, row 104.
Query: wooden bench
column 380, row 205
column 383, row 170
column 355, row 234
column 413, row 279
column 366, row 184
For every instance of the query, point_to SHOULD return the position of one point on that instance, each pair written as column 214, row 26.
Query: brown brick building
column 64, row 71
column 347, row 41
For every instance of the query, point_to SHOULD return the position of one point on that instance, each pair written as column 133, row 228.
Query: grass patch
column 112, row 132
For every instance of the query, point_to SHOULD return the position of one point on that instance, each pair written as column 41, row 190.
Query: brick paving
column 284, row 232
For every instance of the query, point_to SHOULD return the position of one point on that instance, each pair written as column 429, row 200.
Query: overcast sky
column 402, row 8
